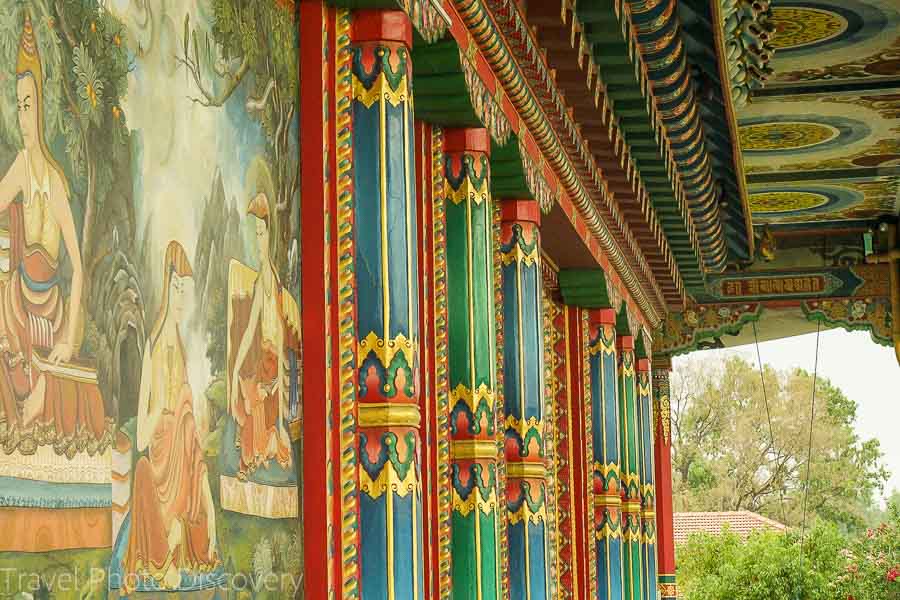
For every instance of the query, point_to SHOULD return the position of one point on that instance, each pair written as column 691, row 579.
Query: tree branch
column 63, row 25
column 209, row 99
column 258, row 104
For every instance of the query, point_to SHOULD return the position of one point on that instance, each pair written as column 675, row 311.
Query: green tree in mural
column 254, row 44
column 724, row 457
column 86, row 66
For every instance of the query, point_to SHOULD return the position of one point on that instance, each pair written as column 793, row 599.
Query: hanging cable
column 762, row 380
column 812, row 417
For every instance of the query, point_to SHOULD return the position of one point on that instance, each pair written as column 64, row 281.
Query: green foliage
column 872, row 562
column 255, row 45
column 85, row 65
column 724, row 457
column 767, row 566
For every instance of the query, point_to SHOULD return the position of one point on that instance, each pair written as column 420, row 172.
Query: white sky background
column 864, row 371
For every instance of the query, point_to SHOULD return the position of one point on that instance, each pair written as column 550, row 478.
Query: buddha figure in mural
column 258, row 336
column 40, row 328
column 173, row 520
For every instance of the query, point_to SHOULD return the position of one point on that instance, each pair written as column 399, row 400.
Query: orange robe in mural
column 168, row 481
column 32, row 319
column 260, row 436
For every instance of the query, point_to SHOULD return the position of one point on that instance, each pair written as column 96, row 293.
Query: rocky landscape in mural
column 150, row 352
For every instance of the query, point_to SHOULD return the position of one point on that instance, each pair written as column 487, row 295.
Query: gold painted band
column 604, row 500
column 388, row 414
column 473, row 449
column 526, row 470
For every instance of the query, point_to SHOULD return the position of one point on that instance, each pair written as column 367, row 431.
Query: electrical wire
column 812, row 417
column 762, row 380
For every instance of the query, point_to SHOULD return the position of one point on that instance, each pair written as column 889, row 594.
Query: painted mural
column 820, row 132
column 822, row 41
column 150, row 351
column 855, row 199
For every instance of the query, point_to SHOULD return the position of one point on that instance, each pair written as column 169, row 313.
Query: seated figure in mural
column 173, row 524
column 258, row 393
column 39, row 328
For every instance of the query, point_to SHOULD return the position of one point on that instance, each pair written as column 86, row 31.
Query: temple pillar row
column 387, row 307
column 629, row 437
column 608, row 489
column 523, row 400
column 648, row 489
column 606, row 461
column 475, row 520
column 662, row 453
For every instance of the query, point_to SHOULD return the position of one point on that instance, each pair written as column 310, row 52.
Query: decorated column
column 631, row 460
column 648, row 492
column 662, row 451
column 390, row 495
column 606, row 459
column 475, row 527
column 523, row 400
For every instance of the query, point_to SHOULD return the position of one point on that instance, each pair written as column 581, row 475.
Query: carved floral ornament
column 855, row 314
column 486, row 107
column 535, row 181
column 662, row 411
column 700, row 325
column 683, row 332
column 431, row 23
column 748, row 32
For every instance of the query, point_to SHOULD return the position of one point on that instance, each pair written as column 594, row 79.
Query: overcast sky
column 865, row 371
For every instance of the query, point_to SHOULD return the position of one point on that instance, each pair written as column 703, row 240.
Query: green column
column 648, row 491
column 472, row 366
column 386, row 271
column 631, row 481
column 523, row 400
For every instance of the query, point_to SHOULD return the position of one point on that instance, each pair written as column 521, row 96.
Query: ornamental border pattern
column 346, row 298
column 441, row 376
column 476, row 19
column 608, row 109
column 502, row 511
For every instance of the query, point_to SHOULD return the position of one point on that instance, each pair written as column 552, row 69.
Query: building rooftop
column 741, row 522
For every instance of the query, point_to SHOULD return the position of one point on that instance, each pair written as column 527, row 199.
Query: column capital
column 643, row 365
column 625, row 343
column 512, row 210
column 379, row 25
column 467, row 139
column 602, row 316
column 662, row 362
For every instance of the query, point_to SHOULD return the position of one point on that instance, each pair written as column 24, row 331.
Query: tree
column 725, row 458
column 872, row 562
column 767, row 566
column 85, row 63
column 773, row 566
column 255, row 45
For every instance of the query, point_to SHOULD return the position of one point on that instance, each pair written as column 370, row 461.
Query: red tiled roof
column 740, row 522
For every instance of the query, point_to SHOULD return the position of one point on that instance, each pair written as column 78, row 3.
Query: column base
column 667, row 588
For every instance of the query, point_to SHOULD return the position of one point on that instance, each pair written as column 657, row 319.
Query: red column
column 321, row 509
column 662, row 367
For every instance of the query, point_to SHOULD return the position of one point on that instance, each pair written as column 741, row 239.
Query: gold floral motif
column 388, row 479
column 475, row 500
column 786, row 201
column 782, row 136
column 796, row 27
column 663, row 411
column 381, row 90
column 385, row 351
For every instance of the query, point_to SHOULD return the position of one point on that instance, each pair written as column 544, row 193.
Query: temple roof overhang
column 716, row 159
